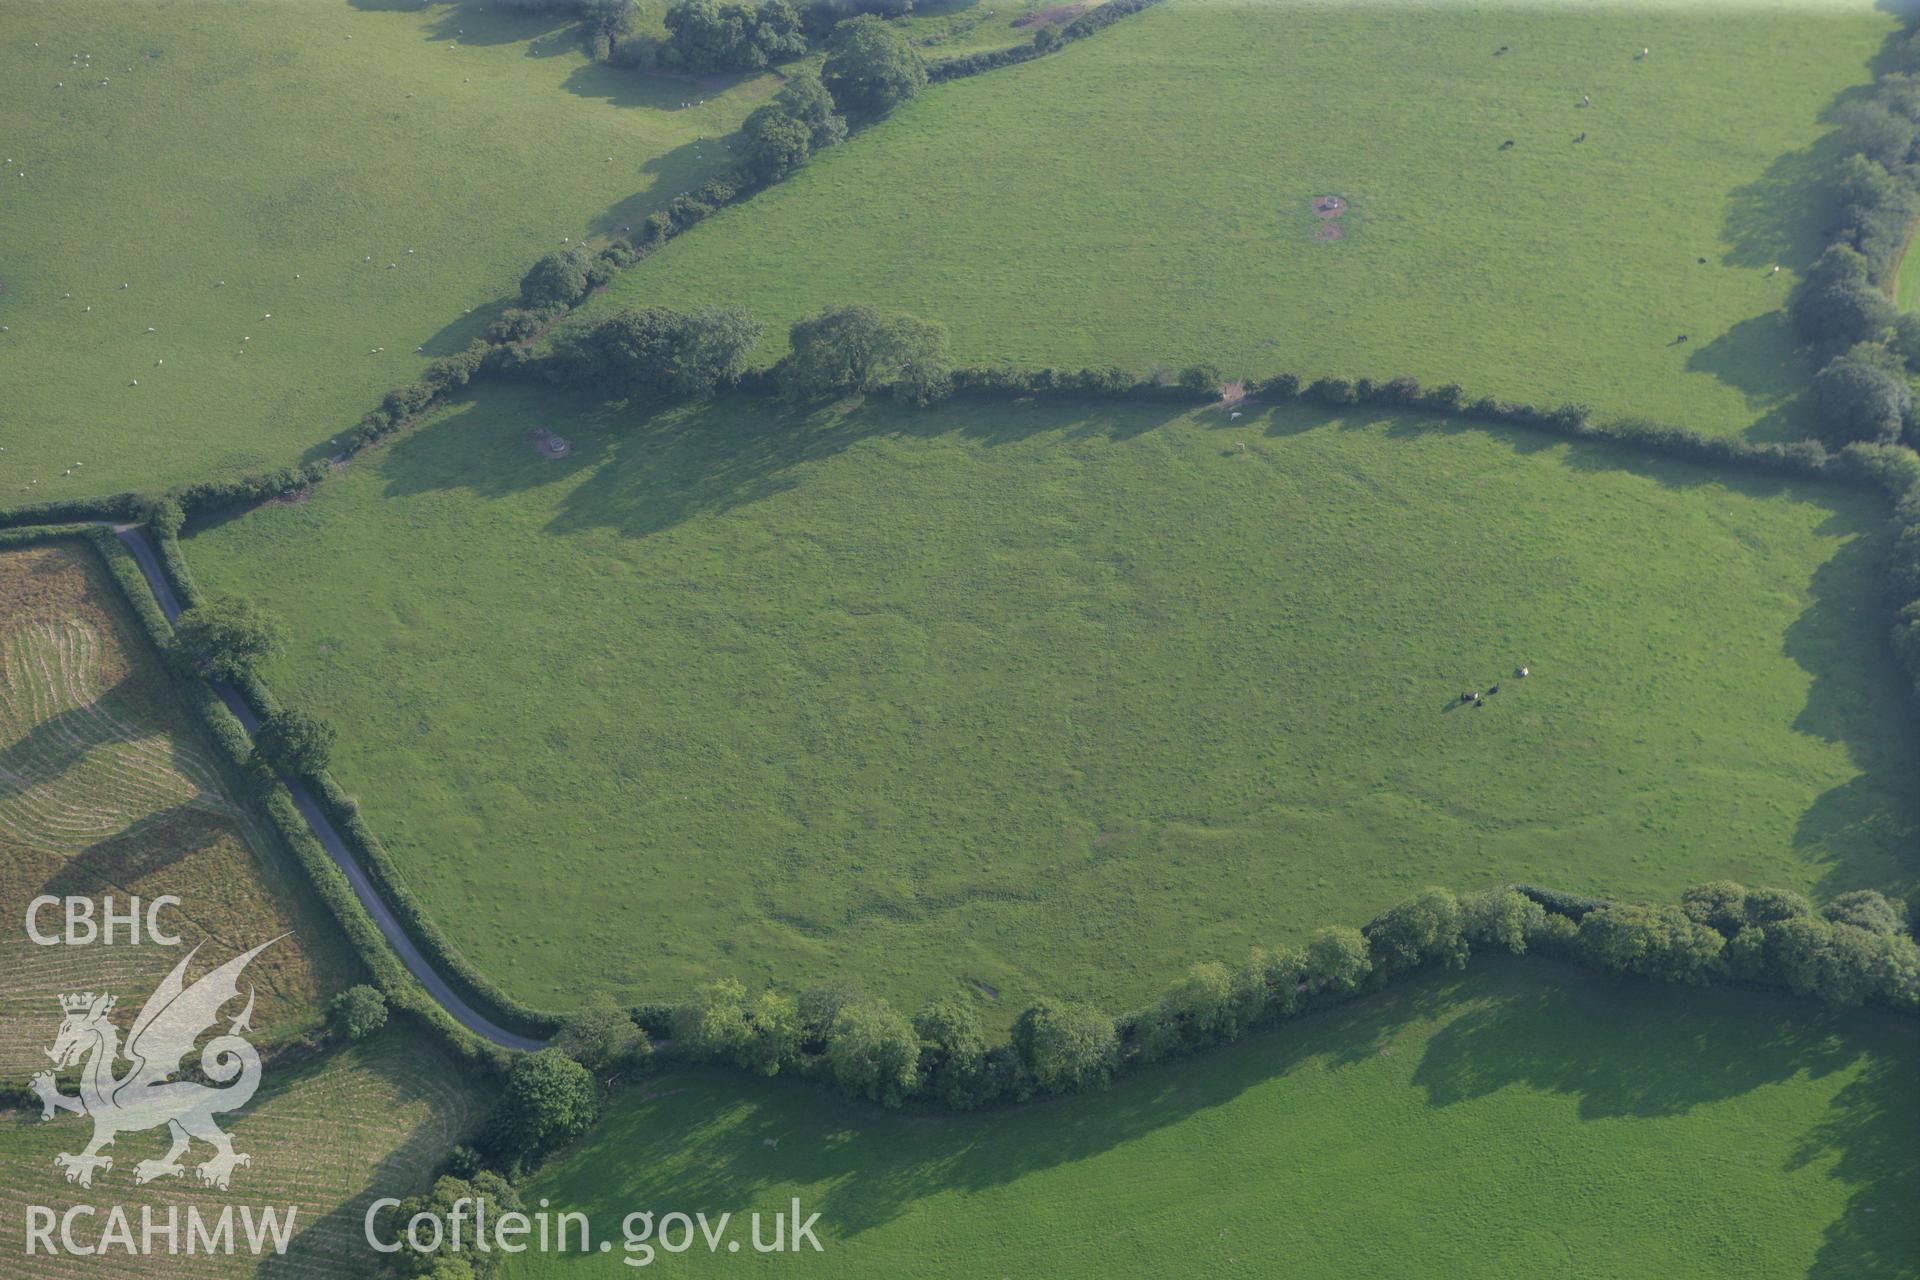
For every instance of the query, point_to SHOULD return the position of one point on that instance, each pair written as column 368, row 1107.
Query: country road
column 135, row 540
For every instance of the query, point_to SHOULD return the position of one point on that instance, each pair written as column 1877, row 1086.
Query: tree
column 805, row 98
column 775, row 143
column 819, row 1005
column 294, row 742
column 1718, row 904
column 712, row 348
column 953, row 1053
column 705, row 36
column 1875, row 132
column 1835, row 304
column 874, row 1052
column 855, row 348
column 1659, row 942
column 713, row 1023
column 1336, row 960
column 1765, row 905
column 602, row 1037
column 548, row 1102
column 1862, row 395
column 655, row 350
column 357, row 1012
column 871, row 68
column 1200, row 1007
column 773, row 1037
column 485, row 1192
column 559, row 278
column 1418, row 931
column 1865, row 909
column 223, row 638
column 1498, row 918
column 1066, row 1046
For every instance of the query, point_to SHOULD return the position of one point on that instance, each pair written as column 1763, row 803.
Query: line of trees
column 1841, row 309
column 1856, row 950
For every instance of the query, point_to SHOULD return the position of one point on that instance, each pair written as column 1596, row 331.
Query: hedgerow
column 233, row 751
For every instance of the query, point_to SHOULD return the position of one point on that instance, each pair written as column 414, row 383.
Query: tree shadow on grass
column 323, row 1244
column 1759, row 358
column 1870, row 1136
column 150, row 845
column 648, row 469
column 475, row 23
column 62, row 740
column 1867, row 830
column 1588, row 1040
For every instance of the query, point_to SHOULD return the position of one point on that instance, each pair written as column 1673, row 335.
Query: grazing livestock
column 1469, row 696
column 1522, row 673
column 1493, row 690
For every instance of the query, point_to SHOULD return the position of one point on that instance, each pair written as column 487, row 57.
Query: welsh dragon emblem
column 144, row 1097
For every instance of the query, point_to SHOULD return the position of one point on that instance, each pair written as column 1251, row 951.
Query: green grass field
column 327, row 1137
column 292, row 150
column 1522, row 1120
column 1055, row 700
column 1143, row 196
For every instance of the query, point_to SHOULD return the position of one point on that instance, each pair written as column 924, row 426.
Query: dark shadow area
column 320, row 1247
column 1624, row 1049
column 57, row 743
column 1871, row 1140
column 657, row 90
column 1758, row 357
column 1589, row 1038
column 478, row 23
column 649, row 471
column 1866, row 831
column 151, row 844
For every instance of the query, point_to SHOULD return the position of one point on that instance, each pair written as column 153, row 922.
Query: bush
column 294, row 742
column 1336, row 961
column 656, row 351
column 485, row 1193
column 602, row 1037
column 874, row 1052
column 953, row 1054
column 1422, row 930
column 1200, row 380
column 1066, row 1046
column 357, row 1012
column 1865, row 909
column 557, row 279
column 1661, row 943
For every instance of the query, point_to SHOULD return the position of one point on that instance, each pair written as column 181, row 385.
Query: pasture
column 327, row 1137
column 1043, row 699
column 106, row 790
column 1522, row 1119
column 368, row 175
column 1144, row 196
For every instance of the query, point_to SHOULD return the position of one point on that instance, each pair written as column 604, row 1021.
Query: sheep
column 1522, row 672
column 1492, row 689
column 1470, row 696
column 151, row 329
column 1582, row 137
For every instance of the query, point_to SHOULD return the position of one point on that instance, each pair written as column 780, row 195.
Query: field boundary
column 117, row 549
column 391, row 930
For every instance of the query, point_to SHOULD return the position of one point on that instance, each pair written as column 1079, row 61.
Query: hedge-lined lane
column 135, row 540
